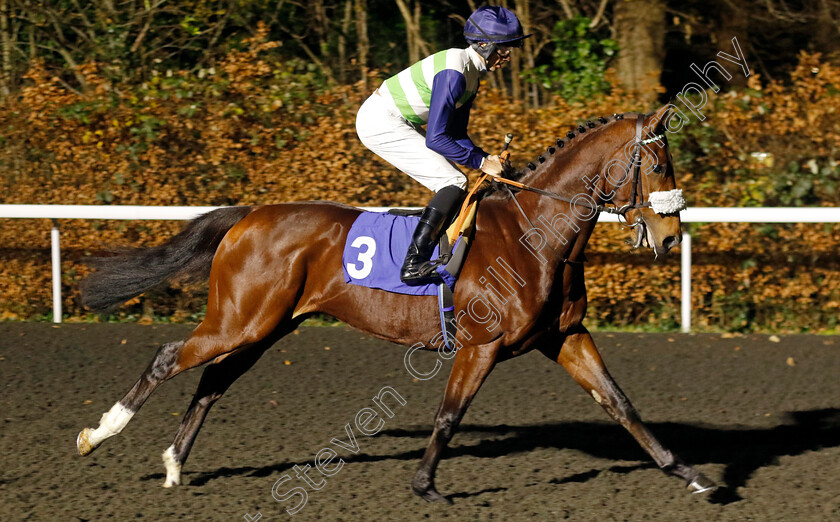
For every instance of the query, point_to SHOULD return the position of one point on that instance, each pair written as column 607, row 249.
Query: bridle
column 636, row 165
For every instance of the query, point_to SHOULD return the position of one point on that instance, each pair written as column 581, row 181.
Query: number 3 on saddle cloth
column 374, row 252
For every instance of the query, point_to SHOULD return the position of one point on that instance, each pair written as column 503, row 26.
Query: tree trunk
column 515, row 67
column 515, row 71
column 6, row 42
column 363, row 41
column 33, row 50
column 528, row 51
column 826, row 33
column 322, row 27
column 417, row 47
column 640, row 31
column 342, row 40
column 421, row 43
column 733, row 22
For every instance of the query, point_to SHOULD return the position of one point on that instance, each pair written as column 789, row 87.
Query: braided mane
column 560, row 146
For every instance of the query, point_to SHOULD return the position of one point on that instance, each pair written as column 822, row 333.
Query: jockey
column 438, row 92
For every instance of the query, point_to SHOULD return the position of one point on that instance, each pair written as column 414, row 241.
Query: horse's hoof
column 83, row 443
column 425, row 489
column 701, row 484
column 432, row 495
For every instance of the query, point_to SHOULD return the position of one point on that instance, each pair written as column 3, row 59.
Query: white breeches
column 383, row 130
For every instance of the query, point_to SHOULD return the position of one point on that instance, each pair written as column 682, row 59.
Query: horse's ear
column 659, row 119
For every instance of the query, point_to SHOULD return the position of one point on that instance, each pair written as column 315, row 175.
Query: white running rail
column 691, row 215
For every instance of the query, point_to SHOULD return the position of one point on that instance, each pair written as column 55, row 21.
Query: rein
column 635, row 166
column 529, row 188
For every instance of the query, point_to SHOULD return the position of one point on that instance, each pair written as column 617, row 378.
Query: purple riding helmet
column 494, row 25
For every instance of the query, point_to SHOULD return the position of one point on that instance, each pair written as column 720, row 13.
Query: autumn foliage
column 254, row 130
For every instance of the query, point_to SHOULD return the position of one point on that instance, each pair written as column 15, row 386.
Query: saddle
column 452, row 251
column 376, row 246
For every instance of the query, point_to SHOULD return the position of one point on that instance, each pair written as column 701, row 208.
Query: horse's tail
column 131, row 272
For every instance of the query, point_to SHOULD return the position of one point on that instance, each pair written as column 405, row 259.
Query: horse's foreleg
column 216, row 379
column 472, row 365
column 115, row 419
column 579, row 356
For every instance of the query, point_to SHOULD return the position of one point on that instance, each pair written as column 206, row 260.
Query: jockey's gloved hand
column 491, row 165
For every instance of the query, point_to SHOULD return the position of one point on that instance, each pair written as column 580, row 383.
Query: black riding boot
column 416, row 269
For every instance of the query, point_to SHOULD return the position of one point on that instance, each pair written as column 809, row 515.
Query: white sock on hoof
column 173, row 468
column 112, row 422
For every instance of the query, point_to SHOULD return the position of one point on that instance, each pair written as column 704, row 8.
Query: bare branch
column 140, row 37
column 598, row 15
column 71, row 64
column 312, row 56
column 567, row 10
column 81, row 14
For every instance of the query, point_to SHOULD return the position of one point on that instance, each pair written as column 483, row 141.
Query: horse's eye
column 657, row 168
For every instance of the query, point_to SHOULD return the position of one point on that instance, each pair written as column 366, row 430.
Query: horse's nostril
column 671, row 241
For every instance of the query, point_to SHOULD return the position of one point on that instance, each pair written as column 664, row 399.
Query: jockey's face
column 499, row 58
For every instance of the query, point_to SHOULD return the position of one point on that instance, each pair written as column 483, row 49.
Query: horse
column 271, row 266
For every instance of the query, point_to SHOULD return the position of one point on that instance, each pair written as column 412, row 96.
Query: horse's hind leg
column 115, row 419
column 579, row 356
column 472, row 366
column 216, row 379
column 207, row 342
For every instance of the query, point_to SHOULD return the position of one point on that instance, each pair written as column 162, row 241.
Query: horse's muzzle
column 645, row 238
column 670, row 242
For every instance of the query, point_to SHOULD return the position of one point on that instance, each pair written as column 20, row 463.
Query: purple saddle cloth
column 375, row 251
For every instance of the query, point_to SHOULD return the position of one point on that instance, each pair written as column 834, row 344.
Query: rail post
column 685, row 283
column 55, row 248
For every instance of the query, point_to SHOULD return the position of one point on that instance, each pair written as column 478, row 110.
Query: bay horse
column 271, row 266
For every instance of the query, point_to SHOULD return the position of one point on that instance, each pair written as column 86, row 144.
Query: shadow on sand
column 742, row 450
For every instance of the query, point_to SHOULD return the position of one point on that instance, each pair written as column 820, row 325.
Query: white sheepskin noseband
column 667, row 202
